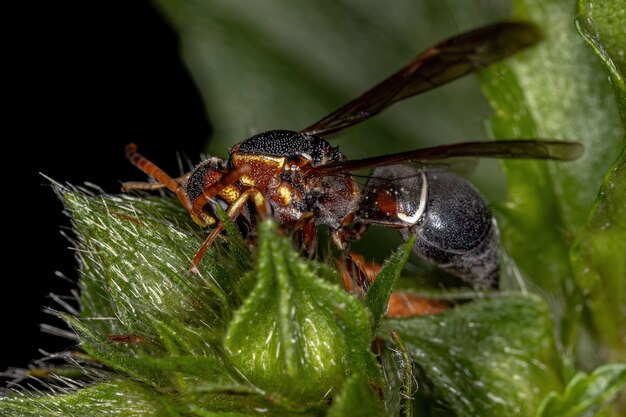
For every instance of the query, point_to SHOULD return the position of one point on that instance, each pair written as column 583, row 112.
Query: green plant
column 283, row 338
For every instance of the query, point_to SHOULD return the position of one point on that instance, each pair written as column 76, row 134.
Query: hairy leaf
column 491, row 357
column 99, row 400
column 377, row 297
column 357, row 399
column 137, row 253
column 294, row 327
column 557, row 89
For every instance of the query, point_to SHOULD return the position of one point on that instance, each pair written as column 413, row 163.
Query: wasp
column 303, row 181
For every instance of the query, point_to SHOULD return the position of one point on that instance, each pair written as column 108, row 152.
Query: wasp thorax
column 290, row 144
column 277, row 160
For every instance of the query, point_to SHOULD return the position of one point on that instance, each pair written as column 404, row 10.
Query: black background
column 89, row 78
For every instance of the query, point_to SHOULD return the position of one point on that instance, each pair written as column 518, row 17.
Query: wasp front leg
column 234, row 211
column 357, row 232
column 309, row 235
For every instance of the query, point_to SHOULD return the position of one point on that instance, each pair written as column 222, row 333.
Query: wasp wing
column 438, row 65
column 506, row 149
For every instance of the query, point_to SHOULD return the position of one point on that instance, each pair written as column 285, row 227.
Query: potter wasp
column 303, row 181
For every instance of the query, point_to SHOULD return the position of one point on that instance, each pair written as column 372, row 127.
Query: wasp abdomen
column 452, row 220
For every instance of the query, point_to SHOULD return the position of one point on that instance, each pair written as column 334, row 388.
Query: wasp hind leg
column 357, row 274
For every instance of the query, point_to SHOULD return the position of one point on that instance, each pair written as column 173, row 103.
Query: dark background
column 91, row 77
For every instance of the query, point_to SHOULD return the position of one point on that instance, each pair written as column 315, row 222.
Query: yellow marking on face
column 285, row 193
column 247, row 181
column 259, row 200
column 230, row 193
column 276, row 161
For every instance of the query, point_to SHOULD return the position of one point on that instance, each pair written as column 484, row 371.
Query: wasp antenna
column 150, row 168
column 161, row 176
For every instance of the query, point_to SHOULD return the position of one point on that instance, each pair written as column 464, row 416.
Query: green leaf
column 491, row 357
column 377, row 297
column 401, row 385
column 396, row 363
column 599, row 260
column 406, row 365
column 200, row 412
column 296, row 334
column 556, row 89
column 118, row 356
column 585, row 394
column 601, row 24
column 599, row 253
column 357, row 399
column 127, row 398
column 99, row 400
column 136, row 254
column 203, row 367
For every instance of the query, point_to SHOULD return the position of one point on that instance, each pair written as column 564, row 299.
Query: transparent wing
column 506, row 149
column 438, row 65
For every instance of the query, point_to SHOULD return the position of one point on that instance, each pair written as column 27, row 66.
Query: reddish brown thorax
column 277, row 161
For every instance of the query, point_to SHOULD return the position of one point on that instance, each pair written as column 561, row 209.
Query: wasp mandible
column 303, row 181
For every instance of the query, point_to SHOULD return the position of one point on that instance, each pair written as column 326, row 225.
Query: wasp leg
column 233, row 212
column 357, row 232
column 403, row 304
column 309, row 236
column 211, row 192
column 356, row 278
column 151, row 186
column 339, row 238
column 170, row 183
column 197, row 258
